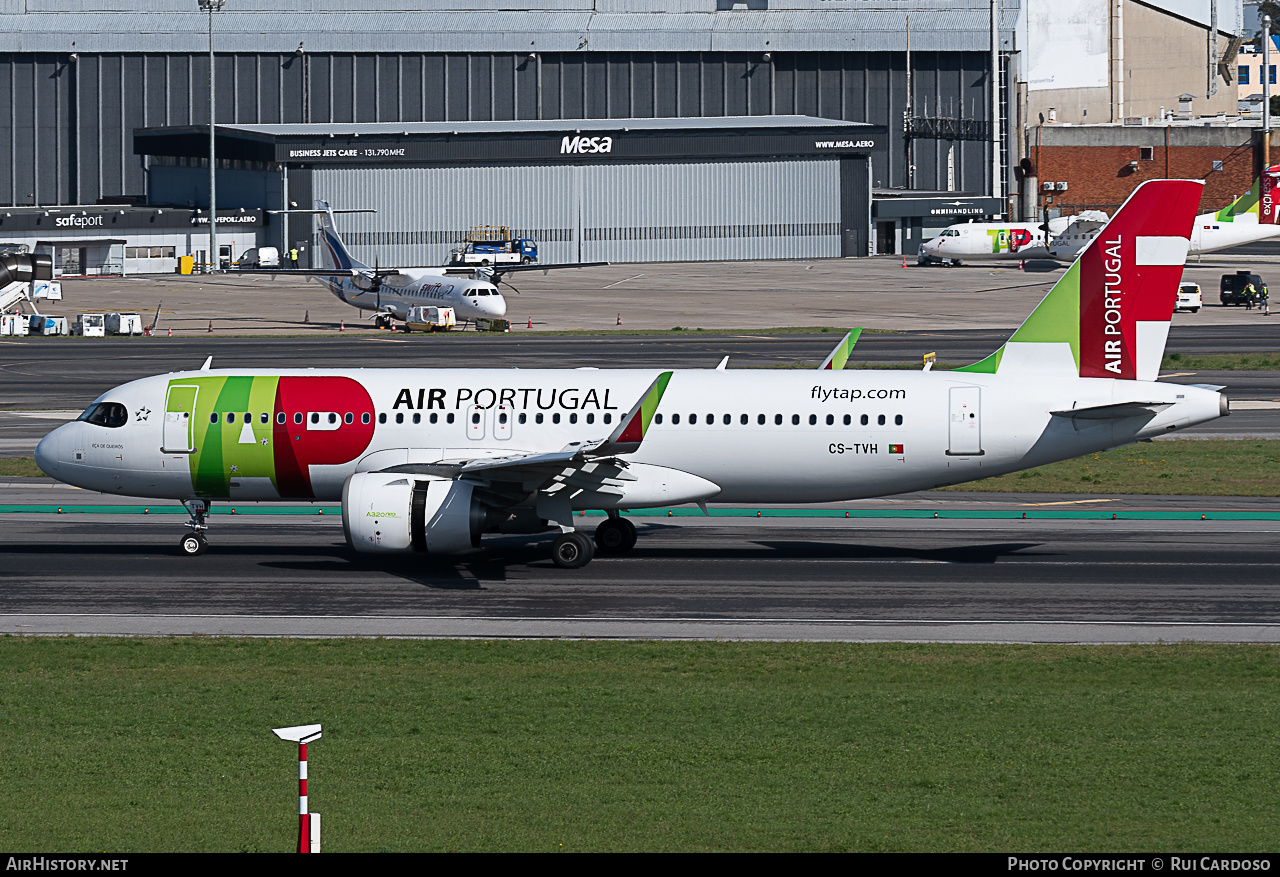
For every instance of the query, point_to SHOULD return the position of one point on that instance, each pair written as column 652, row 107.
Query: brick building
column 1095, row 167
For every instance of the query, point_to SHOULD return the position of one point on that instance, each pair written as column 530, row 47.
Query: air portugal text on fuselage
column 545, row 398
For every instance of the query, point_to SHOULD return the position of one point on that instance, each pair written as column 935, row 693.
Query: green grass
column 146, row 745
column 1221, row 362
column 1189, row 468
column 19, row 467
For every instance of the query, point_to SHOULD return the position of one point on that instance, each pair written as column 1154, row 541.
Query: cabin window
column 831, row 418
column 693, row 418
column 448, row 418
column 248, row 418
column 777, row 420
column 537, row 418
column 657, row 418
column 865, row 420
column 333, row 418
column 297, row 417
column 760, row 419
column 399, row 417
column 897, row 420
column 502, row 417
column 435, row 417
column 281, row 418
column 264, row 418
column 813, row 420
column 364, row 418
column 743, row 420
column 847, row 420
column 880, row 420
column 231, row 417
column 213, row 418
column 573, row 418
column 525, row 417
column 675, row 419
column 591, row 418
column 382, row 418
column 417, row 418
column 349, row 418
column 608, row 418
column 555, row 418
column 475, row 417
column 795, row 419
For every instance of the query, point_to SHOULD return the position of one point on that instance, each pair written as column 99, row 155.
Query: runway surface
column 796, row 578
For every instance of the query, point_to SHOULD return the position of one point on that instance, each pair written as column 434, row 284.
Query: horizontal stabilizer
column 1118, row 411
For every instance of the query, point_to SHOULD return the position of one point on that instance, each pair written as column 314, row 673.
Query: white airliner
column 389, row 293
column 1248, row 219
column 1002, row 240
column 426, row 460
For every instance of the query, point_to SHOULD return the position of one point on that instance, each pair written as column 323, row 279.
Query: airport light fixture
column 212, row 6
column 308, row 823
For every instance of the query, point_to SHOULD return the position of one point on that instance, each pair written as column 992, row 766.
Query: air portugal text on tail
column 1129, row 280
column 427, row 461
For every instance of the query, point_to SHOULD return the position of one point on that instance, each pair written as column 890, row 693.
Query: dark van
column 1232, row 289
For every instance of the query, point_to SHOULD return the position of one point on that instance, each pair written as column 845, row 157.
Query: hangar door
column 711, row 210
column 636, row 212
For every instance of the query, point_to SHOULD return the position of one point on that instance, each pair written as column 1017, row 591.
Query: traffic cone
column 342, row 325
column 170, row 331
column 1022, row 265
column 904, row 261
column 393, row 324
column 211, row 325
column 619, row 319
column 530, row 326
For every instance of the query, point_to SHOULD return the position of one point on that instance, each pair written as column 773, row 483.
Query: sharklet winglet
column 631, row 429
column 837, row 358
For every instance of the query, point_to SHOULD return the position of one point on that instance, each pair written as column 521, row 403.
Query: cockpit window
column 110, row 414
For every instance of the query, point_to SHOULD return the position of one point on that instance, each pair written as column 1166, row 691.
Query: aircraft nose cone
column 497, row 307
column 47, row 453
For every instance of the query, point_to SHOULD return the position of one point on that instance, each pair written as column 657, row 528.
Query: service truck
column 494, row 245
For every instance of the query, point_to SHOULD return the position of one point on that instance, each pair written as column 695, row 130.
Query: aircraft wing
column 590, row 460
column 319, row 272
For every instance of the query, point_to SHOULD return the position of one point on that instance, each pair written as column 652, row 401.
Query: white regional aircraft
column 390, row 292
column 1250, row 218
column 1001, row 240
column 426, row 460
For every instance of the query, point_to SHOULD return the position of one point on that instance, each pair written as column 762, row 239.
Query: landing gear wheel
column 572, row 550
column 615, row 536
column 193, row 544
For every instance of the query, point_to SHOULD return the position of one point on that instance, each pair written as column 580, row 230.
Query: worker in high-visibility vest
column 293, row 258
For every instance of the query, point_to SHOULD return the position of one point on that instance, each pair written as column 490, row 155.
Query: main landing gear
column 614, row 537
column 195, row 543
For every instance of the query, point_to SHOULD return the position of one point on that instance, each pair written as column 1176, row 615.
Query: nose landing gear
column 195, row 543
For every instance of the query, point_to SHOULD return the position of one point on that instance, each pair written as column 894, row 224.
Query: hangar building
column 945, row 82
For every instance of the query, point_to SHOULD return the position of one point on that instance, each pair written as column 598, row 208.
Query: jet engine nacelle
column 25, row 267
column 390, row 512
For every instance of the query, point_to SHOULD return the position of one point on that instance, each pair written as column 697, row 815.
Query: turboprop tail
column 334, row 253
column 1108, row 316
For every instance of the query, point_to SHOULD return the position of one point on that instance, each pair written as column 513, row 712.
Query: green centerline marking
column 952, row 514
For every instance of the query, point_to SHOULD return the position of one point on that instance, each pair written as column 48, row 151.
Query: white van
column 259, row 257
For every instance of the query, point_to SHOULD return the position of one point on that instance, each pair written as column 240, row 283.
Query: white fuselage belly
column 751, row 462
column 412, row 287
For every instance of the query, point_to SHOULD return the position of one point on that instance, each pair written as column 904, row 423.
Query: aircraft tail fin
column 1109, row 315
column 1258, row 204
column 333, row 253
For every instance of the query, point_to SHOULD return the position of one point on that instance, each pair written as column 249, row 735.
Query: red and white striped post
column 308, row 828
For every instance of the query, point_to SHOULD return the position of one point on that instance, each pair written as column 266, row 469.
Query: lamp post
column 212, row 6
column 1266, row 92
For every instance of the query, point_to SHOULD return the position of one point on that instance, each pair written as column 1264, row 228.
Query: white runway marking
column 729, row 629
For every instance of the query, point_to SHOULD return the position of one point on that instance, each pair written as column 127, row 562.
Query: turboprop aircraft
column 1250, row 218
column 427, row 460
column 1001, row 240
column 390, row 292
